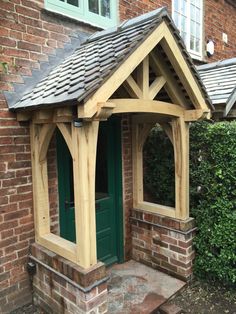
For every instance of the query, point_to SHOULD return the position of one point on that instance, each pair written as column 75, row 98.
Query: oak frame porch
column 82, row 142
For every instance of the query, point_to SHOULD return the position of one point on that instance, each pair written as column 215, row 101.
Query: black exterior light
column 78, row 123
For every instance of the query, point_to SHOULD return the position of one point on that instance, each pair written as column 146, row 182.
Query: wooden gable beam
column 181, row 67
column 143, row 77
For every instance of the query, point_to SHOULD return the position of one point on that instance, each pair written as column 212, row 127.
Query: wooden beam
column 84, row 144
column 156, row 86
column 43, row 116
column 132, row 88
column 104, row 111
column 181, row 67
column 40, row 184
column 181, row 152
column 59, row 246
column 171, row 85
column 121, row 74
column 63, row 114
column 146, row 106
column 197, row 114
column 143, row 77
column 65, row 130
column 157, row 208
column 23, row 116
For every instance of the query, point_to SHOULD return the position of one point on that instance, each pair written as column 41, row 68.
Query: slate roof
column 219, row 79
column 81, row 74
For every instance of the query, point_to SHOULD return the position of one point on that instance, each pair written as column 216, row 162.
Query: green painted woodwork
column 109, row 214
column 86, row 10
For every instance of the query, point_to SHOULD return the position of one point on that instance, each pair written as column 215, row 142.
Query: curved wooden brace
column 65, row 130
column 143, row 134
column 45, row 136
column 147, row 106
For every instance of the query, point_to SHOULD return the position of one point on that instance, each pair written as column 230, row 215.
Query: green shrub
column 213, row 198
column 159, row 172
column 212, row 192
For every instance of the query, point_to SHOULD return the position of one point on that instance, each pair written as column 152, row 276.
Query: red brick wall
column 127, row 177
column 219, row 17
column 27, row 36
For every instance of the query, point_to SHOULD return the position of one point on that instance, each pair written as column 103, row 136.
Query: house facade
column 36, row 36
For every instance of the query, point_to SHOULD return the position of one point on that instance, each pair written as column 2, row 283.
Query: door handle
column 68, row 205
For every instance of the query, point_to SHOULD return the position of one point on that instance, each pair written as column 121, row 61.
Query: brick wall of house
column 28, row 36
column 219, row 17
column 127, row 178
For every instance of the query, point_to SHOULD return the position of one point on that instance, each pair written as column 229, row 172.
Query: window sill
column 63, row 18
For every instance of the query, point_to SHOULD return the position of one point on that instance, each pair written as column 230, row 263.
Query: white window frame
column 83, row 14
column 194, row 54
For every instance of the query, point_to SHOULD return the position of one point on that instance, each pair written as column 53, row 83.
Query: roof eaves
column 230, row 102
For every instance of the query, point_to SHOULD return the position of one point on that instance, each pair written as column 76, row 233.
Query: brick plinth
column 60, row 286
column 163, row 243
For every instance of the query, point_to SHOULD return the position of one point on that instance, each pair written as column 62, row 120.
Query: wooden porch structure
column 133, row 88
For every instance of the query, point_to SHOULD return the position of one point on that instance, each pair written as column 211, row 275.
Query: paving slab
column 135, row 288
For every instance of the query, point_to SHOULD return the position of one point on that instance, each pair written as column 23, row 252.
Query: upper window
column 100, row 13
column 188, row 16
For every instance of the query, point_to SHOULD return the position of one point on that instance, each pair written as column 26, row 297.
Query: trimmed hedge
column 212, row 194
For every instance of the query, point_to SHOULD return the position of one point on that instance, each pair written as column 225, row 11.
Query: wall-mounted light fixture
column 210, row 48
column 78, row 123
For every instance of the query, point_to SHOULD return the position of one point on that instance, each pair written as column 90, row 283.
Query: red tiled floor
column 138, row 289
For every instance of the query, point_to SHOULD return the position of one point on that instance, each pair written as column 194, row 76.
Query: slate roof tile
column 78, row 76
column 219, row 79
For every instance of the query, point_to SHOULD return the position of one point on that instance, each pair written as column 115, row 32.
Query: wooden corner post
column 180, row 131
column 84, row 145
column 38, row 135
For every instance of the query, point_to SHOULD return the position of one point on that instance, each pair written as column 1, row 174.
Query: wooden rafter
column 175, row 56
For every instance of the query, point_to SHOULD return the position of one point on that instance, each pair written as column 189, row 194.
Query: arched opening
column 158, row 168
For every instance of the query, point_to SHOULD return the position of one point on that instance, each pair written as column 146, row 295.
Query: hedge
column 212, row 192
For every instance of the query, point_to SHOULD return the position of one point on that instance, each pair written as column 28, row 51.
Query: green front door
column 108, row 192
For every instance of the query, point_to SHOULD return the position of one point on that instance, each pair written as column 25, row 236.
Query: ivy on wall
column 212, row 192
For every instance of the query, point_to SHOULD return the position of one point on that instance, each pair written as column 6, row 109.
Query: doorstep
column 134, row 288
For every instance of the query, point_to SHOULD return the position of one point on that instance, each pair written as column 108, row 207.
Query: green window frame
column 82, row 12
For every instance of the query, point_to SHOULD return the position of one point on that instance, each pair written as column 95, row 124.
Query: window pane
column 198, row 45
column 176, row 18
column 198, row 15
column 93, row 6
column 73, row 2
column 192, row 42
column 105, row 8
column 176, row 5
column 184, row 8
